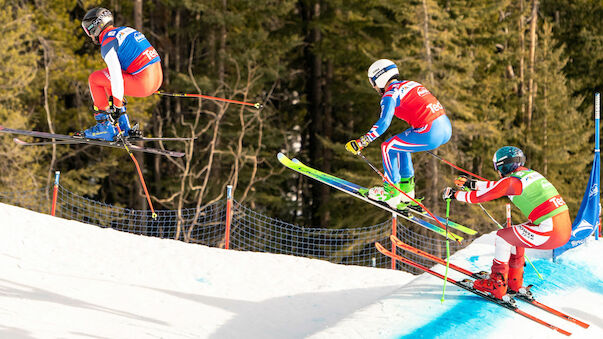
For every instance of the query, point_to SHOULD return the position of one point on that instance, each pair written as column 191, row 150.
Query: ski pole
column 144, row 185
column 188, row 95
column 405, row 194
column 455, row 166
column 447, row 249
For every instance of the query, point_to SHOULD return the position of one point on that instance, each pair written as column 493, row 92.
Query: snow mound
column 65, row 279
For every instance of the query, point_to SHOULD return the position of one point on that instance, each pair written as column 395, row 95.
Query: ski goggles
column 500, row 163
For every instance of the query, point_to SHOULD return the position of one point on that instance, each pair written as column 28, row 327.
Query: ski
column 352, row 190
column 68, row 139
column 522, row 297
column 468, row 286
column 314, row 173
column 76, row 141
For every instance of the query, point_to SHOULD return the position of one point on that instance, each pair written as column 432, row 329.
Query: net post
column 55, row 190
column 395, row 233
column 228, row 216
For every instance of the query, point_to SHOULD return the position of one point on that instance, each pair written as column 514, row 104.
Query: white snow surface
column 66, row 279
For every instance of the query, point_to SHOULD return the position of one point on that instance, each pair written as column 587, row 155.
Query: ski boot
column 132, row 132
column 103, row 130
column 407, row 185
column 496, row 284
column 516, row 263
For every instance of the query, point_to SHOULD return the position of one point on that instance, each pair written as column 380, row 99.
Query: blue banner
column 587, row 220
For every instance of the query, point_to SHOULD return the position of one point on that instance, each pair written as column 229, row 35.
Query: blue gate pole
column 597, row 149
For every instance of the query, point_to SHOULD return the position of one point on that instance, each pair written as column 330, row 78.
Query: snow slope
column 65, row 279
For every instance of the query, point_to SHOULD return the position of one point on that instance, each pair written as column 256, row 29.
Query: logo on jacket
column 138, row 37
column 422, row 91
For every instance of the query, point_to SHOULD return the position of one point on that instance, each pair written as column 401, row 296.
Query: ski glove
column 355, row 146
column 448, row 193
column 115, row 112
column 462, row 182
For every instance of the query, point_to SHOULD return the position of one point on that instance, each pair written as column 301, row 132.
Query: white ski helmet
column 381, row 72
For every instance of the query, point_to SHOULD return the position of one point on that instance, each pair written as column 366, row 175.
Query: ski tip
column 280, row 156
column 18, row 141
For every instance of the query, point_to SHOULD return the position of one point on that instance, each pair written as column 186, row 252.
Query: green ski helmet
column 507, row 159
column 95, row 21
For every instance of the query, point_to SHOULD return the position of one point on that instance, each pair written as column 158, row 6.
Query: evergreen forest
column 508, row 72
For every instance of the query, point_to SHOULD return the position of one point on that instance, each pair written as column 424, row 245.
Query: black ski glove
column 448, row 193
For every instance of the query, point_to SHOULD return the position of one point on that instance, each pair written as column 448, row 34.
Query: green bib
column 537, row 191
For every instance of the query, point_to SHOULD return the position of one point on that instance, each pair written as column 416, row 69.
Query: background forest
column 519, row 72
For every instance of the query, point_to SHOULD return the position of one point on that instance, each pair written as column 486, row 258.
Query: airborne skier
column 548, row 226
column 430, row 128
column 133, row 68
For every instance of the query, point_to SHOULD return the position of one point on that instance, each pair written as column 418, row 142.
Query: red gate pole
column 395, row 233
column 55, row 190
column 228, row 216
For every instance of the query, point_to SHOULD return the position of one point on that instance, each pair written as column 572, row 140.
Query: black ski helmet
column 507, row 159
column 95, row 21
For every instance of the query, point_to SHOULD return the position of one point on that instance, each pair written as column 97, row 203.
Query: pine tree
column 18, row 59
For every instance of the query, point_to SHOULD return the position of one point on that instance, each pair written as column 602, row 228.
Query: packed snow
column 65, row 279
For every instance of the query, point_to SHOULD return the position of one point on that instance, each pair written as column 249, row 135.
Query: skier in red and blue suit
column 133, row 69
column 430, row 128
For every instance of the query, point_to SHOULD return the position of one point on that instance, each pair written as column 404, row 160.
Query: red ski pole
column 455, row 166
column 188, row 95
column 142, row 182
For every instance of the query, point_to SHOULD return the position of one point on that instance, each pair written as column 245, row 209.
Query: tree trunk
column 533, row 41
column 319, row 192
column 327, row 134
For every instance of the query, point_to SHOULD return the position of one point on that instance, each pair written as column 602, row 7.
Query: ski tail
column 405, row 246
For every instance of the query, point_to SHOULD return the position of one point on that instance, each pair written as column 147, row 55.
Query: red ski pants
column 140, row 84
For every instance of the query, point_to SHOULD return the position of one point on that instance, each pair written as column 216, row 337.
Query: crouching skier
column 548, row 227
column 133, row 69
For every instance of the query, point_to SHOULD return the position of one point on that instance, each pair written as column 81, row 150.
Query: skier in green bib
column 548, row 227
